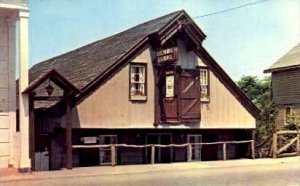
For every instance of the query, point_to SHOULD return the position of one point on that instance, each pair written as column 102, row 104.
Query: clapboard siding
column 280, row 117
column 286, row 87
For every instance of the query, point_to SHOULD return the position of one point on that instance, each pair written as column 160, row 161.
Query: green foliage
column 259, row 91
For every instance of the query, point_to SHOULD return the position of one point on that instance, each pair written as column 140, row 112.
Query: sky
column 244, row 36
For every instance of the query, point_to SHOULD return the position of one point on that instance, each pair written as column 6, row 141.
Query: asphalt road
column 287, row 174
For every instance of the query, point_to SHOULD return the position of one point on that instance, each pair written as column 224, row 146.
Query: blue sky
column 244, row 41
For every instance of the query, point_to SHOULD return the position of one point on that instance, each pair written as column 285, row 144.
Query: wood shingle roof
column 289, row 61
column 88, row 66
column 81, row 66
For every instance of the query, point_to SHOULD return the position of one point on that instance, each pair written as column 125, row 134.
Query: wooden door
column 189, row 96
column 168, row 105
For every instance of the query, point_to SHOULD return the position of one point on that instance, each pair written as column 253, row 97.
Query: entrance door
column 196, row 148
column 105, row 153
column 190, row 96
column 162, row 154
column 179, row 95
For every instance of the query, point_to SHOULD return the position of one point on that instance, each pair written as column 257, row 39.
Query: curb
column 126, row 170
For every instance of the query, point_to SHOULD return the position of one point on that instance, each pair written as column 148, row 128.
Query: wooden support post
column 69, row 132
column 152, row 154
column 189, row 152
column 298, row 143
column 274, row 145
column 224, row 151
column 253, row 144
column 31, row 131
column 252, row 150
column 113, row 155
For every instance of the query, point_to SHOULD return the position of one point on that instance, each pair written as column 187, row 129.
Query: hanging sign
column 168, row 55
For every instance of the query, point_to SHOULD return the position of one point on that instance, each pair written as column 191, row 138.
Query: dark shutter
column 190, row 96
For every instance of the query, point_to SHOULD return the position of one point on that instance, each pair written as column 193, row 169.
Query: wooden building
column 14, row 142
column 151, row 84
column 286, row 86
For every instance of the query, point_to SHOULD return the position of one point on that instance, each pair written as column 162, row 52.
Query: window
column 204, row 84
column 138, row 82
column 288, row 115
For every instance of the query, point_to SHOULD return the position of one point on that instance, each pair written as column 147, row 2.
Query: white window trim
column 284, row 113
column 205, row 84
column 144, row 82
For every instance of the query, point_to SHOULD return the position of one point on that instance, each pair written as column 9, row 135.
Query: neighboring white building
column 14, row 146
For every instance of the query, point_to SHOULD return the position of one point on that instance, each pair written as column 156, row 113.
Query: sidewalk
column 12, row 175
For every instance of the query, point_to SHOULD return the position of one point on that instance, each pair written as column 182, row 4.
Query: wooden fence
column 284, row 141
column 153, row 146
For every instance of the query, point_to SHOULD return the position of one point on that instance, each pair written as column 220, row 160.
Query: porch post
column 69, row 131
column 23, row 98
column 253, row 144
column 31, row 131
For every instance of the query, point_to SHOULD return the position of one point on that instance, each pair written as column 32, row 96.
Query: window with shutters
column 138, row 82
column 204, row 84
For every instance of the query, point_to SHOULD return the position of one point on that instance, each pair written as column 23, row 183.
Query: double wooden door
column 184, row 106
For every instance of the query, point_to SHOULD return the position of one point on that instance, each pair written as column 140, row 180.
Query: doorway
column 105, row 152
column 162, row 154
column 196, row 148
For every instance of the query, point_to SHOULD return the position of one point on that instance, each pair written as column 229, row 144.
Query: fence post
column 252, row 149
column 189, row 152
column 113, row 155
column 224, row 151
column 152, row 154
column 274, row 145
column 298, row 143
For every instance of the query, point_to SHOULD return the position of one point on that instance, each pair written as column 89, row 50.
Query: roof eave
column 271, row 70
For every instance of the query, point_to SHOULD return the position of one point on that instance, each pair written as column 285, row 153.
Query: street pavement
column 283, row 171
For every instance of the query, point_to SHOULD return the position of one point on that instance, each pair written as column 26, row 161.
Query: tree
column 260, row 93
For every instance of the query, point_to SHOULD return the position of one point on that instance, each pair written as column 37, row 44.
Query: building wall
column 4, row 92
column 286, row 92
column 280, row 119
column 11, row 14
column 110, row 107
column 223, row 109
column 286, row 87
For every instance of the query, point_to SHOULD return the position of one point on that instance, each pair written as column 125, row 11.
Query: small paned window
column 138, row 82
column 204, row 84
column 288, row 114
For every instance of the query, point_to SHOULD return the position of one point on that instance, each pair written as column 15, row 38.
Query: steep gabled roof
column 81, row 66
column 85, row 67
column 290, row 60
column 54, row 76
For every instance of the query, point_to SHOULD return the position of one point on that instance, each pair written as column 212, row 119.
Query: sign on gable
column 166, row 56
